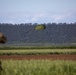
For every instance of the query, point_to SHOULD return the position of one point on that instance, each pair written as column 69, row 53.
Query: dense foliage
column 26, row 33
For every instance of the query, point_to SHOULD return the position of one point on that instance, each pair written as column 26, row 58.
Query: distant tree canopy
column 40, row 27
column 52, row 33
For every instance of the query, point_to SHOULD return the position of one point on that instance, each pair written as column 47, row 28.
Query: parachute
column 40, row 27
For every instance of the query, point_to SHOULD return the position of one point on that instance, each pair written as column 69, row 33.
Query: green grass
column 38, row 67
column 36, row 47
column 37, row 51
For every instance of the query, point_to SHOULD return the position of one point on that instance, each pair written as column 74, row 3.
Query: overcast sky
column 37, row 11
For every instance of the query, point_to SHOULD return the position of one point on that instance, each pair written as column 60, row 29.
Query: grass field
column 37, row 51
column 36, row 47
column 38, row 67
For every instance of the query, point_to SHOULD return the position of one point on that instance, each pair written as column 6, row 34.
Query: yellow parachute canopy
column 40, row 27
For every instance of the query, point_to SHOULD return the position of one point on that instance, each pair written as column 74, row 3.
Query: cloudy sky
column 37, row 11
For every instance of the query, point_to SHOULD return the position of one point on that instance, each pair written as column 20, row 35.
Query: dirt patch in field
column 34, row 57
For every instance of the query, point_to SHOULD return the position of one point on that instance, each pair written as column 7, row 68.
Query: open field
column 28, row 54
column 38, row 67
column 38, row 57
column 36, row 47
column 38, row 61
column 37, row 51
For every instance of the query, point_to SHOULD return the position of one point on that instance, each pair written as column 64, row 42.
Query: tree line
column 28, row 33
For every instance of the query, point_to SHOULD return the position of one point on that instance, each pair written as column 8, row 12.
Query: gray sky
column 37, row 11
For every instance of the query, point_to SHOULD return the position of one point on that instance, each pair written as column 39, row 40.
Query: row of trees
column 27, row 33
column 40, row 24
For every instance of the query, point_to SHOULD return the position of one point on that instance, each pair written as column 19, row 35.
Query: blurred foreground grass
column 38, row 67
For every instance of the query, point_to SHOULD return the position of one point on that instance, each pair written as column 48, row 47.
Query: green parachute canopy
column 40, row 27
